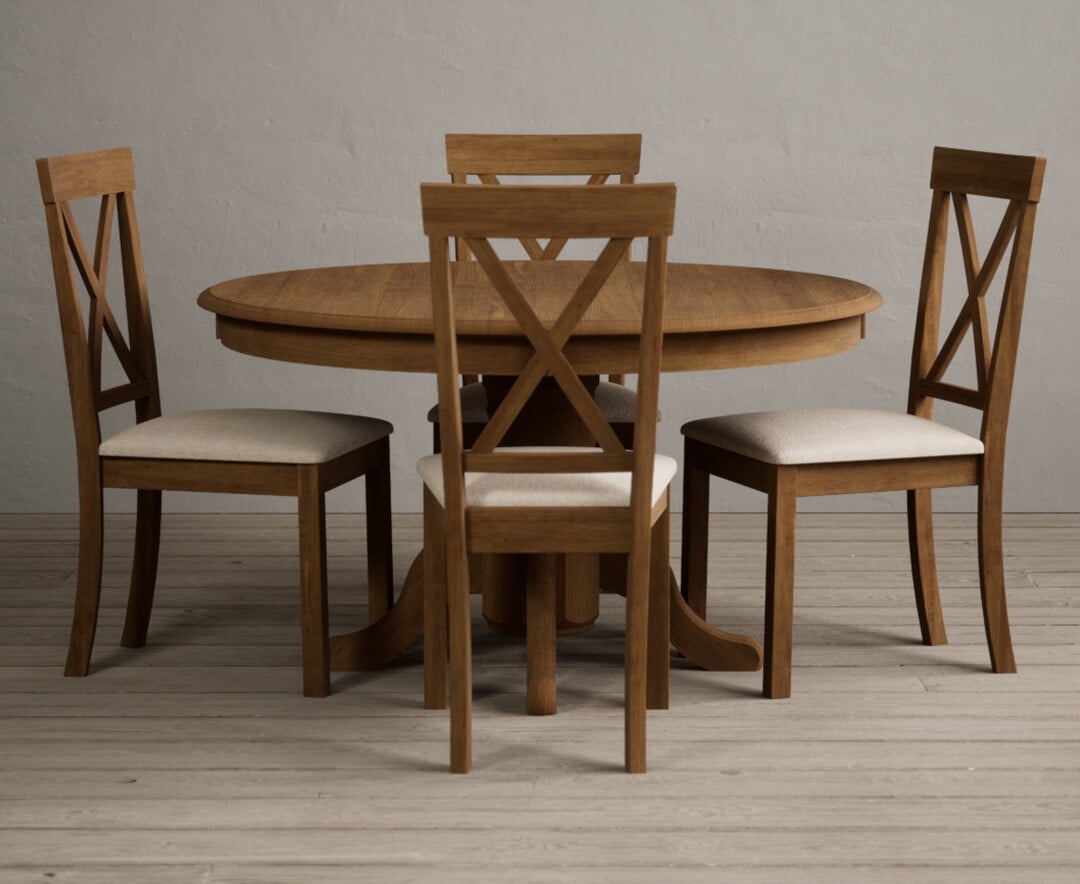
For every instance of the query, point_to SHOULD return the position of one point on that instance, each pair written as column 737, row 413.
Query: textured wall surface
column 270, row 134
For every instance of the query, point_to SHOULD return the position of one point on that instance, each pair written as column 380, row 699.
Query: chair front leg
column 924, row 567
column 88, row 581
column 380, row 551
column 659, row 667
column 143, row 569
column 637, row 653
column 780, row 583
column 460, row 633
column 434, row 588
column 314, row 618
column 695, row 531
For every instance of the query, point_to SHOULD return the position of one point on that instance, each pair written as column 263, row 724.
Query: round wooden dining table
column 378, row 316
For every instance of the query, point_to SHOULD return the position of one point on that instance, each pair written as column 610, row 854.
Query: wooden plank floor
column 196, row 758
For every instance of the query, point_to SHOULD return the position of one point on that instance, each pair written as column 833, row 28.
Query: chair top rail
column 547, row 210
column 1003, row 176
column 78, row 176
column 605, row 154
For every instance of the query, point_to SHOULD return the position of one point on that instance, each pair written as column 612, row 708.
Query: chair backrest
column 480, row 214
column 485, row 157
column 110, row 175
column 956, row 175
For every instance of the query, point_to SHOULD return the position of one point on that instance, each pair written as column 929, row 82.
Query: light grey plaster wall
column 271, row 134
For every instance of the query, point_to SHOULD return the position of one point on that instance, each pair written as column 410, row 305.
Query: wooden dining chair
column 488, row 159
column 810, row 452
column 543, row 501
column 300, row 454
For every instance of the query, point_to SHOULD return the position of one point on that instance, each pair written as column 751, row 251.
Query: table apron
column 591, row 354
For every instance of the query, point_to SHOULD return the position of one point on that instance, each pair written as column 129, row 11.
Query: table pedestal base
column 378, row 644
column 502, row 579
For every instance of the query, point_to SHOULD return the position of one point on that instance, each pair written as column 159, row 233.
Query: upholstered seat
column 831, row 435
column 247, row 435
column 474, row 407
column 546, row 489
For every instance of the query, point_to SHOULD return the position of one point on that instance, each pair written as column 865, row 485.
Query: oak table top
column 378, row 316
column 759, row 316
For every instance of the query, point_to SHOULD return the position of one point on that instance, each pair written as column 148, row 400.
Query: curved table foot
column 701, row 644
column 705, row 645
column 390, row 635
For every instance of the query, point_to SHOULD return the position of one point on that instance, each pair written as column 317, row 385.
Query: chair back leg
column 992, row 576
column 88, row 581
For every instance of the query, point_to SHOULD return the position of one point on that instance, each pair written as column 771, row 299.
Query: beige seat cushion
column 616, row 402
column 546, row 489
column 250, row 435
column 831, row 435
column 473, row 405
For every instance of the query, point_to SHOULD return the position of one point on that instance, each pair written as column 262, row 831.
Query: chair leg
column 780, row 584
column 88, row 581
column 637, row 652
column 659, row 655
column 380, row 552
column 143, row 569
column 992, row 577
column 540, row 632
column 434, row 607
column 695, row 532
column 460, row 632
column 314, row 620
column 924, row 567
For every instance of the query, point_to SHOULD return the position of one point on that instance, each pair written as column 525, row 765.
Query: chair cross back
column 957, row 174
column 110, row 175
column 479, row 214
column 549, row 357
column 486, row 157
